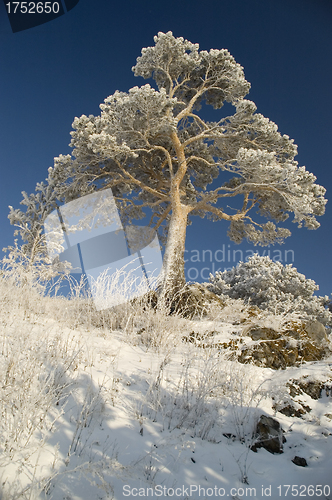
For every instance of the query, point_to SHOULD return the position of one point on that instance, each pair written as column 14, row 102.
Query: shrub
column 273, row 287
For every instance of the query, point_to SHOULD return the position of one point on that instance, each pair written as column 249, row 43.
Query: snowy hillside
column 135, row 403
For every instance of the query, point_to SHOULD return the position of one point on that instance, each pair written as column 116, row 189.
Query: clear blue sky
column 67, row 67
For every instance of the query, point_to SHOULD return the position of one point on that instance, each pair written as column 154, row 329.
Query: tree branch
column 142, row 185
column 165, row 214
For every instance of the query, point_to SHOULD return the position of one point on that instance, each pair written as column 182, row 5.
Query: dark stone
column 301, row 462
column 268, row 435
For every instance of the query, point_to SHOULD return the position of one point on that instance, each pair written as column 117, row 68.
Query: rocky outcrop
column 314, row 388
column 297, row 389
column 310, row 330
column 296, row 343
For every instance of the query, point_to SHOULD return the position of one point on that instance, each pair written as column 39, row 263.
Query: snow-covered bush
column 272, row 286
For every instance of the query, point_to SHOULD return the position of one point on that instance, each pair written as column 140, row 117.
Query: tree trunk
column 173, row 264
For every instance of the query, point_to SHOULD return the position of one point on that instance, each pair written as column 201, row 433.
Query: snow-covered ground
column 121, row 405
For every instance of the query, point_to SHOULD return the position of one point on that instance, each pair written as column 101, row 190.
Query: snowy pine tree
column 155, row 150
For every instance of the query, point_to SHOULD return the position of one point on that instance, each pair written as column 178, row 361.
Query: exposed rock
column 310, row 352
column 261, row 333
column 292, row 408
column 293, row 388
column 296, row 388
column 314, row 388
column 206, row 340
column 270, row 348
column 291, row 411
column 300, row 461
column 316, row 331
column 199, row 339
column 268, row 435
column 290, row 347
column 310, row 330
column 272, row 354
